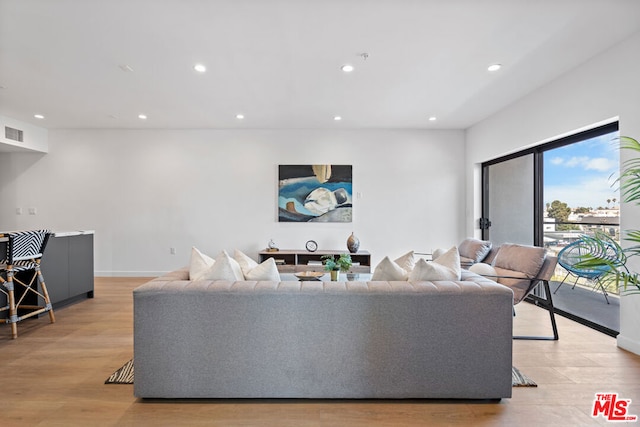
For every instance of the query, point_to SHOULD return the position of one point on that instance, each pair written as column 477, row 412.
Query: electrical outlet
column 18, row 211
column 33, row 211
column 172, row 251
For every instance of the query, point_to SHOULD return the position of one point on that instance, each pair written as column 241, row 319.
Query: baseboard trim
column 628, row 344
column 130, row 273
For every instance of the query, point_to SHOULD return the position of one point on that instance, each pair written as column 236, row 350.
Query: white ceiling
column 278, row 61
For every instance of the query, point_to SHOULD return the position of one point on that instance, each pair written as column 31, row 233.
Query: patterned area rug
column 518, row 379
column 124, row 375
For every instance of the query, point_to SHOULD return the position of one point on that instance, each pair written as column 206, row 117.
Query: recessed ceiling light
column 142, row 116
column 337, row 118
column 38, row 116
column 200, row 68
column 494, row 67
column 125, row 68
column 239, row 116
column 433, row 118
column 347, row 68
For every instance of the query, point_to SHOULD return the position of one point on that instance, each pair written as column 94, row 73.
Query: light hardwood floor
column 54, row 375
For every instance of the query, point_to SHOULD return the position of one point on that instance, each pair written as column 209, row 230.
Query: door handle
column 484, row 223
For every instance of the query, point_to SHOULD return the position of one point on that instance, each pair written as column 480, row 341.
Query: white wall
column 34, row 137
column 146, row 191
column 606, row 87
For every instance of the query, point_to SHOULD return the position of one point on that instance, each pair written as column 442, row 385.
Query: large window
column 550, row 195
column 578, row 192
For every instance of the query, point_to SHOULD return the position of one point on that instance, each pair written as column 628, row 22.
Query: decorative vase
column 353, row 243
column 334, row 275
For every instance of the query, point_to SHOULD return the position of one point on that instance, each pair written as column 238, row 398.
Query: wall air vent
column 13, row 134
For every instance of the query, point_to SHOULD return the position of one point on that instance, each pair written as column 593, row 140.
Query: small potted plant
column 336, row 265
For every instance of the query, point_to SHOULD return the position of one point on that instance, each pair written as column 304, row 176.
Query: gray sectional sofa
column 392, row 340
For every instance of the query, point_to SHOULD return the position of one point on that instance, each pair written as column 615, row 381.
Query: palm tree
column 618, row 272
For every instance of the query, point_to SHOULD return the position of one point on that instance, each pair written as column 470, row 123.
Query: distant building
column 599, row 220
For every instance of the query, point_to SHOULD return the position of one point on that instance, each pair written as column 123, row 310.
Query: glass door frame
column 538, row 179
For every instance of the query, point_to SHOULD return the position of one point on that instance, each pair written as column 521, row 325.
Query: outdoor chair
column 572, row 254
column 523, row 269
column 21, row 265
column 543, row 278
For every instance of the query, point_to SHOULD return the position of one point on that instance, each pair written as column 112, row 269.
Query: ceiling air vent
column 13, row 134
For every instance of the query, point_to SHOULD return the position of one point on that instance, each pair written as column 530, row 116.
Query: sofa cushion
column 445, row 267
column 518, row 261
column 473, row 250
column 199, row 264
column 251, row 270
column 389, row 270
column 437, row 253
column 246, row 262
column 483, row 269
column 397, row 269
column 267, row 271
column 224, row 268
column 406, row 261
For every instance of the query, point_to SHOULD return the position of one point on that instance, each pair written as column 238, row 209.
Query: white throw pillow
column 246, row 263
column 445, row 267
column 199, row 264
column 389, row 270
column 224, row 268
column 484, row 269
column 251, row 270
column 437, row 253
column 451, row 259
column 431, row 271
column 267, row 270
column 406, row 261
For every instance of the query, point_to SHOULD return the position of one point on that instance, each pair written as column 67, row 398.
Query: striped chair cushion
column 25, row 245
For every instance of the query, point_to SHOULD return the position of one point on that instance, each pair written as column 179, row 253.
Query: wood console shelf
column 291, row 260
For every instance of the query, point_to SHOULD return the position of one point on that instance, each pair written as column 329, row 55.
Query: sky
column 583, row 174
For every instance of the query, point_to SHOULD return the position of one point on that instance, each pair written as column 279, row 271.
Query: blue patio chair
column 572, row 254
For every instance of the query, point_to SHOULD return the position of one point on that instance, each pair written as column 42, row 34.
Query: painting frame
column 315, row 193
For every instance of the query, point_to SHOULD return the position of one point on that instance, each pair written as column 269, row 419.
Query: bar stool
column 24, row 252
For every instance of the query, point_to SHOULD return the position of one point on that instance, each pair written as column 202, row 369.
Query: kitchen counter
column 58, row 233
column 71, row 233
column 67, row 266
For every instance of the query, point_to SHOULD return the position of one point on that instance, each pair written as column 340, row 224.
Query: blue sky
column 581, row 174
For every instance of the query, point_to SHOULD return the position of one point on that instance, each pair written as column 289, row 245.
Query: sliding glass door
column 549, row 196
column 508, row 201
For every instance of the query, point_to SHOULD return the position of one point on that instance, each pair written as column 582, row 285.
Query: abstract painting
column 315, row 193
